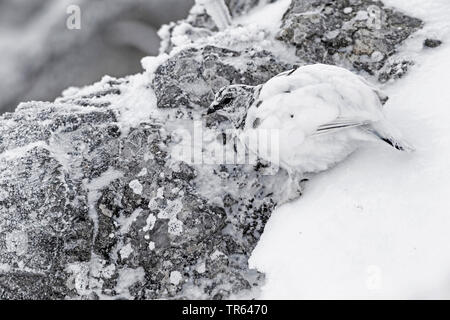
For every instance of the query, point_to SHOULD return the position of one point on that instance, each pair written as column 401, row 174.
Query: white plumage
column 322, row 113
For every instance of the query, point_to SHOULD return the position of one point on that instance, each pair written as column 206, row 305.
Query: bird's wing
column 285, row 83
column 381, row 95
column 339, row 124
column 315, row 99
column 286, row 73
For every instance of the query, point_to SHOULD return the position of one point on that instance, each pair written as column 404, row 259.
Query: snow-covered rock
column 359, row 34
column 94, row 202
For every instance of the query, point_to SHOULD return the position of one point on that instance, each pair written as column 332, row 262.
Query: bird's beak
column 214, row 108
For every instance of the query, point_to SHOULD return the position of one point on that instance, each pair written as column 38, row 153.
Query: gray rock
column 432, row 43
column 92, row 206
column 77, row 208
column 358, row 34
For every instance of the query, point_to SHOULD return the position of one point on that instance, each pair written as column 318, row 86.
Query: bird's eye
column 226, row 100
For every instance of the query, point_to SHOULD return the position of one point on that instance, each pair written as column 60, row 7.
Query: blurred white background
column 40, row 56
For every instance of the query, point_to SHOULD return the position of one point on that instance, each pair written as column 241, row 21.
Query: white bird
column 218, row 11
column 321, row 112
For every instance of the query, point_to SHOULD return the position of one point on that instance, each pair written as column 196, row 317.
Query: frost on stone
column 355, row 34
column 126, row 251
column 93, row 204
column 200, row 24
column 175, row 277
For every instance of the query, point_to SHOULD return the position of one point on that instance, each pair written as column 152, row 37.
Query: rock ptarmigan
column 322, row 113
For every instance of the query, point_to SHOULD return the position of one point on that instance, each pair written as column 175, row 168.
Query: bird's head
column 231, row 103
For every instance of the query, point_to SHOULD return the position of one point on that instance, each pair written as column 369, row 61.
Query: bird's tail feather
column 391, row 135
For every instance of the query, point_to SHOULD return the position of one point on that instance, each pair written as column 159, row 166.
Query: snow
column 376, row 226
column 151, row 63
column 15, row 153
column 137, row 103
column 257, row 30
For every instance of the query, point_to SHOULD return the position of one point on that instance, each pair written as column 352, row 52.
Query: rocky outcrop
column 190, row 78
column 95, row 199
